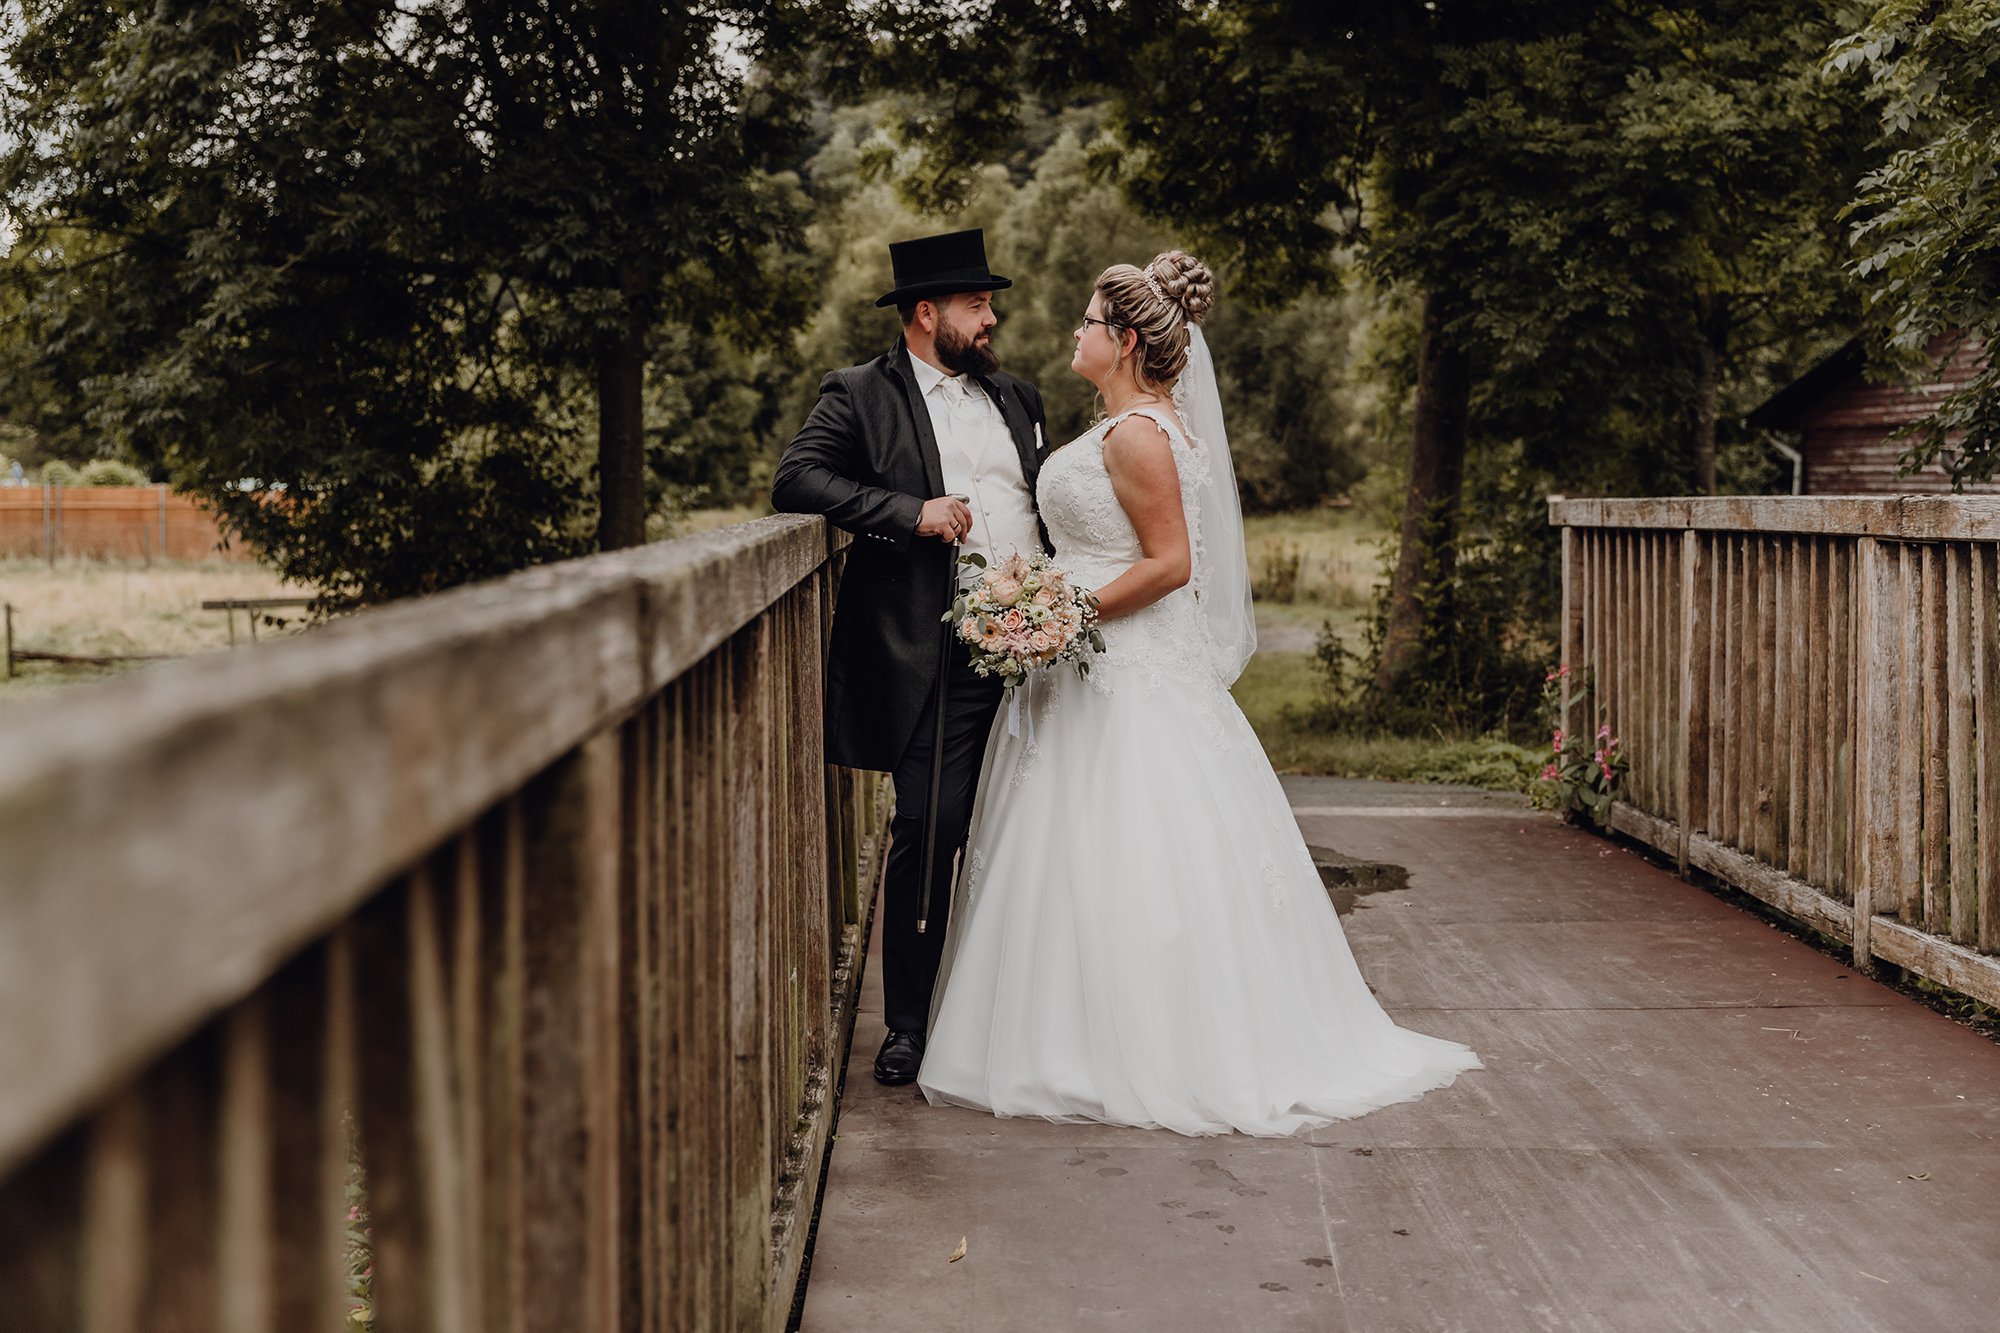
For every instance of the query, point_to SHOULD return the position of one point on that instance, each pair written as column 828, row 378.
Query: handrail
column 1906, row 517
column 539, row 887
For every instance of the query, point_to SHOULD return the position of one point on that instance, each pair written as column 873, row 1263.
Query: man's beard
column 963, row 355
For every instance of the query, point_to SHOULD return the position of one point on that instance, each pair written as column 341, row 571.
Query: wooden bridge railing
column 1809, row 689
column 525, row 917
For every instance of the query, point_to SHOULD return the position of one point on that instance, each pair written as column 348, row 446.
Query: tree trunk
column 621, row 422
column 1713, row 333
column 1437, row 475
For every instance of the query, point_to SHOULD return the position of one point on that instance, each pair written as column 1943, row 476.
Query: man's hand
column 945, row 518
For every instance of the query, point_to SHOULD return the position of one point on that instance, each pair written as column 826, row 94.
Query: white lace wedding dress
column 1139, row 935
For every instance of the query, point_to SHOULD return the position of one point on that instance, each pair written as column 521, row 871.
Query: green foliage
column 358, row 275
column 110, row 472
column 1625, row 214
column 1926, row 229
column 1489, row 615
column 1581, row 778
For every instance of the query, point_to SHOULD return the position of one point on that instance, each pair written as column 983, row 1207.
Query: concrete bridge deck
column 1689, row 1120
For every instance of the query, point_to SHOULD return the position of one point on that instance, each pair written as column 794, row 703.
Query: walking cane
column 937, row 734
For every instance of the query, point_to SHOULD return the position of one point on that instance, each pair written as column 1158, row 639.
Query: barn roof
column 1782, row 410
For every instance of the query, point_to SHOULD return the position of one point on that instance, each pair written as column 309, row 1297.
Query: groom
column 926, row 453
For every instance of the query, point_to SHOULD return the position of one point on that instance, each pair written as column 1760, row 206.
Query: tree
column 1594, row 207
column 387, row 264
column 1927, row 220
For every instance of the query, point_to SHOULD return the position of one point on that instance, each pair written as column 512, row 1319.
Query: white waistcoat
column 979, row 460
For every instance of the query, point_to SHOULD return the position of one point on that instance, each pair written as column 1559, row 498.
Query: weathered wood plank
column 1910, row 774
column 183, row 1177
column 1843, row 703
column 308, row 1148
column 1797, row 691
column 1794, row 897
column 1784, row 611
column 571, row 817
column 1939, row 960
column 499, row 1053
column 466, row 1018
column 392, row 1153
column 114, row 1238
column 1569, row 651
column 1986, row 672
column 1899, row 517
column 1692, row 718
column 1749, row 759
column 750, row 1139
column 1935, row 910
column 1878, row 668
column 1814, row 629
column 1765, row 781
column 1653, row 687
column 1958, row 752
column 1666, row 669
column 245, row 1262
column 1729, row 825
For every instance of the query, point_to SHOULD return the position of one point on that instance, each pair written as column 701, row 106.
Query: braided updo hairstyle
column 1161, row 311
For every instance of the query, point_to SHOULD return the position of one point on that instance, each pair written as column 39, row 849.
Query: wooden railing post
column 746, row 888
column 571, row 1093
column 1572, row 626
column 1877, row 662
column 1691, row 749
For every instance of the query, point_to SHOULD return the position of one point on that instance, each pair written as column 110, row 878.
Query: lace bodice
column 1095, row 542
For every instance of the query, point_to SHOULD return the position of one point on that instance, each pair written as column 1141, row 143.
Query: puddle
column 1349, row 880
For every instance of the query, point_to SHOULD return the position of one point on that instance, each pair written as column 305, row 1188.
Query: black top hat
column 941, row 265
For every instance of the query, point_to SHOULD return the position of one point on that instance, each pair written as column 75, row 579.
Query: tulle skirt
column 1139, row 935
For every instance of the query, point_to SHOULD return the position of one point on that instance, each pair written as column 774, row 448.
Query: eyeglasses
column 1105, row 322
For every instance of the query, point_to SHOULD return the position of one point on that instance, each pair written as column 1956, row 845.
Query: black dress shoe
column 902, row 1054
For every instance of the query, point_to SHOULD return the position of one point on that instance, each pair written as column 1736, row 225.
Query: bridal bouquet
column 1022, row 615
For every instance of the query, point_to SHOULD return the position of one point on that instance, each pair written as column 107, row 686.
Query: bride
column 1139, row 935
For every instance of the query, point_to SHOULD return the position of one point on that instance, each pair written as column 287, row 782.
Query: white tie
column 960, row 399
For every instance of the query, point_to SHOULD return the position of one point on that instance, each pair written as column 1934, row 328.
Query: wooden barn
column 1844, row 420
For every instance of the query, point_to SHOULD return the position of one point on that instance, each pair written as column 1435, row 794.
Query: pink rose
column 1004, row 589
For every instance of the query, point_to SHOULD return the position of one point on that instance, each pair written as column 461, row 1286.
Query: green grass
column 1339, row 564
column 1277, row 692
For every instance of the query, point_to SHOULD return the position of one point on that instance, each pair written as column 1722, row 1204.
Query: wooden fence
column 527, row 913
column 109, row 523
column 1809, row 690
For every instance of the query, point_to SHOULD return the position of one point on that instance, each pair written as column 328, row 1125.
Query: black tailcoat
column 867, row 458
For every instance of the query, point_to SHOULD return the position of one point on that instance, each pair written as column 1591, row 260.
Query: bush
column 110, row 472
column 55, row 472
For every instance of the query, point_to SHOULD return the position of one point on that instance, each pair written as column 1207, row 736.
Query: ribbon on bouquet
column 1014, row 709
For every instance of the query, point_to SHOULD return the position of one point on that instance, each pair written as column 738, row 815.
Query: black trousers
column 909, row 960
